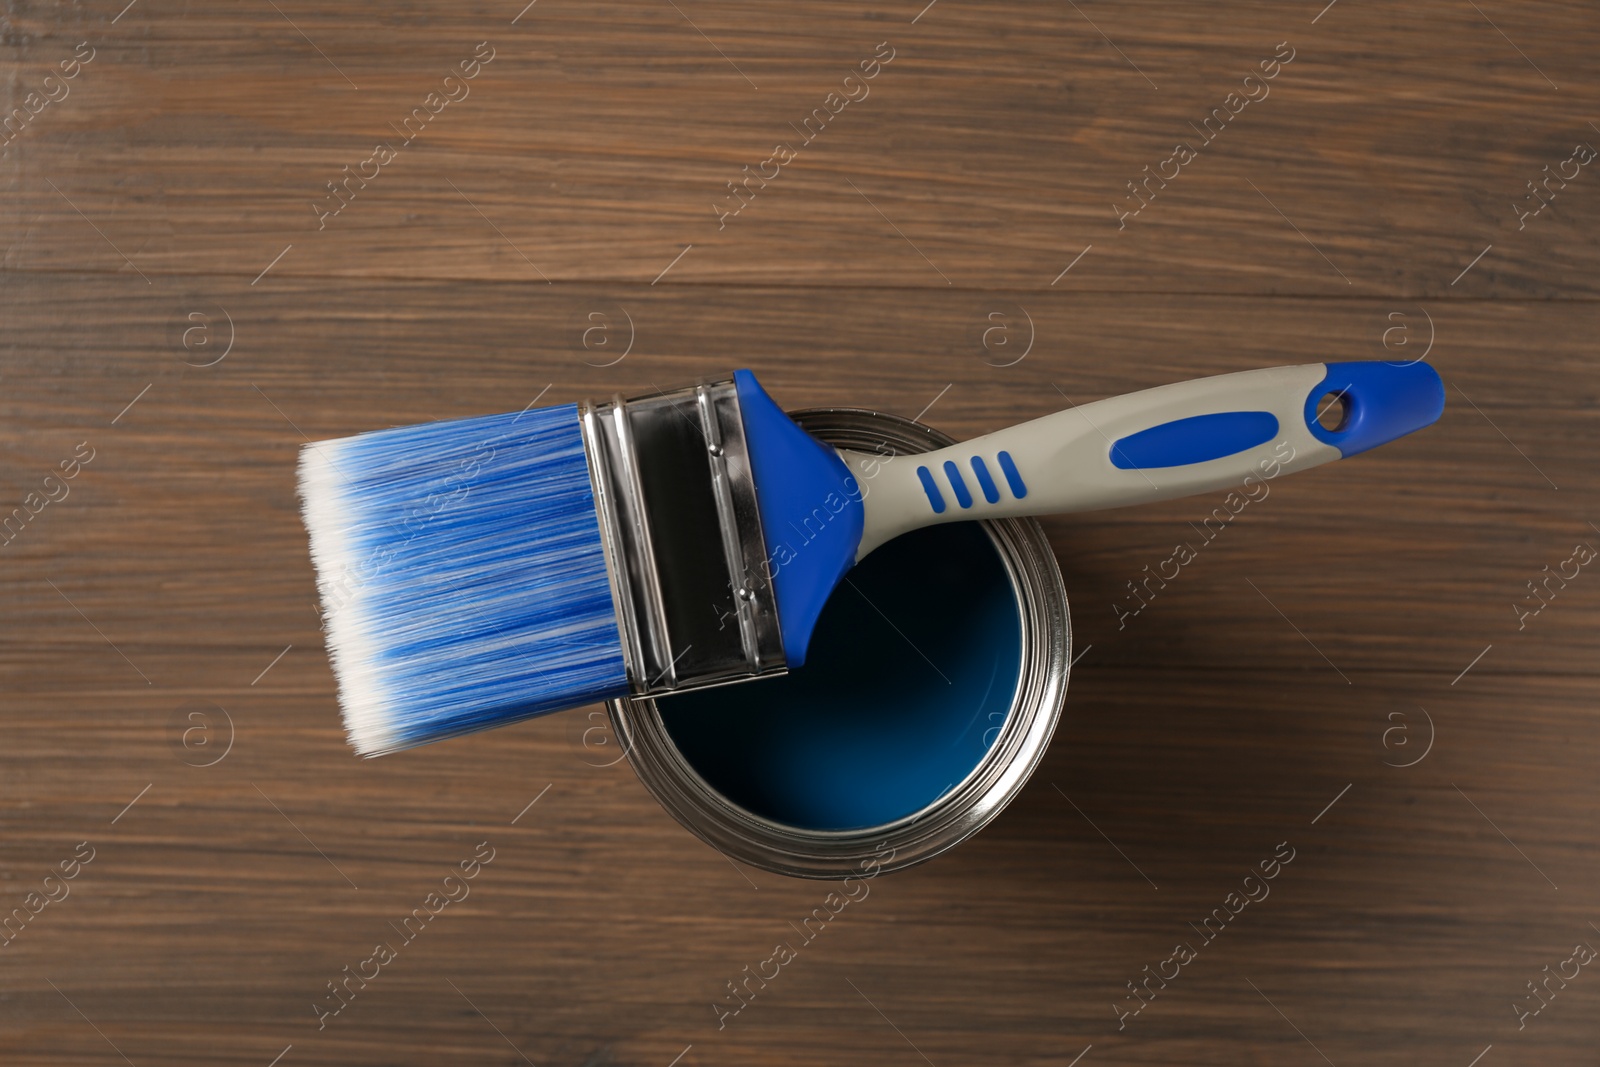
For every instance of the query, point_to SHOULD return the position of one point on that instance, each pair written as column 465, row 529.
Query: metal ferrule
column 676, row 501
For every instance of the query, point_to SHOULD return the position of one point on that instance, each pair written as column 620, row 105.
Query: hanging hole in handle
column 1333, row 411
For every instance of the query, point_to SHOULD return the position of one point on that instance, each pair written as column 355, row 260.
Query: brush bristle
column 462, row 576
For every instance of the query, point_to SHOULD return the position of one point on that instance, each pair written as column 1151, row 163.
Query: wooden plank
column 1412, row 557
column 993, row 149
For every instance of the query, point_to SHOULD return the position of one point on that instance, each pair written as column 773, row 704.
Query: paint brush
column 483, row 570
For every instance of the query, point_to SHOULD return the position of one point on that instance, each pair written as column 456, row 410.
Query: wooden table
column 183, row 305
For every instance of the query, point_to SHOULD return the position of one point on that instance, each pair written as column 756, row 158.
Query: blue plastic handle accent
column 1383, row 401
column 1008, row 467
column 991, row 492
column 957, row 485
column 798, row 478
column 1196, row 439
column 931, row 487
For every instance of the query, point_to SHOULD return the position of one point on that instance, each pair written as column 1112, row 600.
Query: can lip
column 962, row 810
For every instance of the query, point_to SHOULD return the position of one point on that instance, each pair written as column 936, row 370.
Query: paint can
column 930, row 693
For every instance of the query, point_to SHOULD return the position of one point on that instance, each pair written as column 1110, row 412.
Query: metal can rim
column 962, row 810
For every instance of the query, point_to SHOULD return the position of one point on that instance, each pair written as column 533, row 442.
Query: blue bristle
column 462, row 575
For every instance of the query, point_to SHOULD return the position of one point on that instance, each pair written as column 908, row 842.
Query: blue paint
column 870, row 731
column 931, row 487
column 1008, row 467
column 1196, row 439
column 991, row 492
column 963, row 495
column 1385, row 401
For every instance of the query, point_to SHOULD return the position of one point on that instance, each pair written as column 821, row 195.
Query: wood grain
column 1268, row 694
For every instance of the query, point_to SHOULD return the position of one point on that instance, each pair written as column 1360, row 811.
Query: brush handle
column 1173, row 441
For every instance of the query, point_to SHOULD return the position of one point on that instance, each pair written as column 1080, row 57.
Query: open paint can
column 931, row 689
